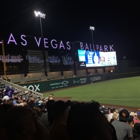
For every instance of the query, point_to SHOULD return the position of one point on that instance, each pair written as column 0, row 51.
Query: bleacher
column 20, row 90
column 2, row 85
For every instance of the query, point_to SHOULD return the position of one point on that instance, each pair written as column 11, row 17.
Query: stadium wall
column 62, row 83
column 45, row 86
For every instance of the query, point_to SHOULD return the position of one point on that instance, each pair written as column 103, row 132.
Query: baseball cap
column 124, row 115
column 6, row 98
column 7, row 87
column 132, row 113
column 40, row 104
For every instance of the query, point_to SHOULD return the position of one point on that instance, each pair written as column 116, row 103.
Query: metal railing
column 7, row 83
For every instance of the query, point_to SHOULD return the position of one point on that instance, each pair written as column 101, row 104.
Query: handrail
column 20, row 87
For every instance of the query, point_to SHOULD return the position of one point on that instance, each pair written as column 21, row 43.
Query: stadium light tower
column 42, row 15
column 92, row 29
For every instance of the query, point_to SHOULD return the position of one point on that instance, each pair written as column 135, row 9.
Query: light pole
column 74, row 46
column 42, row 15
column 92, row 29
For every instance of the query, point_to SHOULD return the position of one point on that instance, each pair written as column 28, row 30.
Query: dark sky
column 115, row 23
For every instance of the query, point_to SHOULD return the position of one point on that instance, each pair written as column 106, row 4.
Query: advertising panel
column 63, row 83
column 14, row 60
column 59, row 84
column 37, row 86
column 79, row 81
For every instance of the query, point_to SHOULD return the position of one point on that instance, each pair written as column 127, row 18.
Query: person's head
column 68, row 102
column 6, row 99
column 31, row 104
column 39, row 108
column 115, row 116
column 25, row 103
column 124, row 115
column 86, row 122
column 112, row 110
column 51, row 96
column 7, row 88
column 130, row 120
column 60, row 111
column 20, row 123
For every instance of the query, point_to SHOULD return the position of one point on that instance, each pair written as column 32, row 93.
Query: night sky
column 115, row 23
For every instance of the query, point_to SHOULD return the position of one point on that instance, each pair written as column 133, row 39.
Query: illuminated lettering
column 68, row 44
column 56, row 45
column 46, row 42
column 61, row 45
column 38, row 41
column 81, row 46
column 11, row 39
column 111, row 47
column 23, row 38
column 86, row 47
column 105, row 48
column 101, row 49
column 97, row 47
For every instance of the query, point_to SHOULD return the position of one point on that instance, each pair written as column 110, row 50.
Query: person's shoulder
column 12, row 90
column 137, row 138
column 115, row 122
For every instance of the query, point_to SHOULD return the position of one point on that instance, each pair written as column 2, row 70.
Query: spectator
column 49, row 106
column 44, row 119
column 135, row 119
column 114, row 117
column 58, row 129
column 86, row 122
column 123, row 130
column 31, row 103
column 130, row 122
column 39, row 108
column 23, row 125
column 15, row 98
column 110, row 114
column 5, row 100
column 51, row 96
column 3, row 113
column 9, row 92
column 137, row 128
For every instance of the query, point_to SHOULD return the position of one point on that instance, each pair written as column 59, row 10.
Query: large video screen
column 97, row 59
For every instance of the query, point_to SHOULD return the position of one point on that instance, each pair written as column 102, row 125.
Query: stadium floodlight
column 92, row 28
column 42, row 15
column 39, row 14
